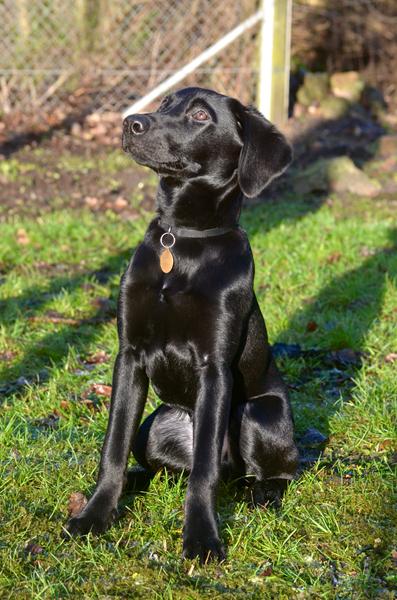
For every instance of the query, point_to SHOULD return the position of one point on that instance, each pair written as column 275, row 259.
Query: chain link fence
column 114, row 52
column 104, row 54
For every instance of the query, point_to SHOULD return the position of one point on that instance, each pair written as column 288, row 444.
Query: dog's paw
column 203, row 549
column 88, row 522
column 268, row 493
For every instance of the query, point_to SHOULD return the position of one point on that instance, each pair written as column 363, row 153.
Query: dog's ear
column 265, row 153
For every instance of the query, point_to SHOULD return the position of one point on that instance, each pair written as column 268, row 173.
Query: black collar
column 197, row 233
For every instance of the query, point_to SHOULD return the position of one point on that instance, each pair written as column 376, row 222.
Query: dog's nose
column 136, row 124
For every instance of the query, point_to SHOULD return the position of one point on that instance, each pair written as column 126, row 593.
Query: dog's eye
column 200, row 115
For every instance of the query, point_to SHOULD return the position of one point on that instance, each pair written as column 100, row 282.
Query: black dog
column 189, row 322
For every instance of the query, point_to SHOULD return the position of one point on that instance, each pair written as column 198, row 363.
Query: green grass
column 334, row 265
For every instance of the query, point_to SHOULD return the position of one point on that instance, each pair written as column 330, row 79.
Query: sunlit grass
column 334, row 535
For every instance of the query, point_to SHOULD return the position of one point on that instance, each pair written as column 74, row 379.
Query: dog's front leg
column 129, row 391
column 211, row 415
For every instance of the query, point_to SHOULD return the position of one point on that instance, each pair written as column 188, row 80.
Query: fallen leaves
column 90, row 362
column 267, row 571
column 101, row 390
column 76, row 502
column 32, row 549
column 93, row 396
column 98, row 358
column 386, row 444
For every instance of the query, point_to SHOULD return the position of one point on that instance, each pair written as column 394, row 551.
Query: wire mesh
column 109, row 53
column 115, row 52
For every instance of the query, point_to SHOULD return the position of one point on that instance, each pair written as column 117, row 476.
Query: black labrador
column 189, row 321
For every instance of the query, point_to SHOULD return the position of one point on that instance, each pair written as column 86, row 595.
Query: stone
column 314, row 89
column 344, row 176
column 333, row 107
column 348, row 85
column 312, row 179
column 387, row 145
column 338, row 174
column 76, row 129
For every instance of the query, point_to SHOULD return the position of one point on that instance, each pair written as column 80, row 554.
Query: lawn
column 326, row 275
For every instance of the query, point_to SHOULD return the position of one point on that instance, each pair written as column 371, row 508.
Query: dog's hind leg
column 165, row 439
column 266, row 446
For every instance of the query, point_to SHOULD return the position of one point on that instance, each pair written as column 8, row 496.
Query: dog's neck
column 199, row 204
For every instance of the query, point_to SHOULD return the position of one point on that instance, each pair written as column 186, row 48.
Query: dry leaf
column 7, row 355
column 33, row 549
column 311, row 326
column 101, row 390
column 392, row 357
column 22, row 237
column 91, row 201
column 97, row 358
column 77, row 501
column 385, row 444
column 333, row 258
column 120, row 203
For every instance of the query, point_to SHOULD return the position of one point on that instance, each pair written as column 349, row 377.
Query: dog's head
column 198, row 132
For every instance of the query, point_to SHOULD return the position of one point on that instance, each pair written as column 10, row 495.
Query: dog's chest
column 161, row 320
column 159, row 309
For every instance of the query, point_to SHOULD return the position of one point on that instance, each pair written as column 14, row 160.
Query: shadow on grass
column 344, row 312
column 52, row 349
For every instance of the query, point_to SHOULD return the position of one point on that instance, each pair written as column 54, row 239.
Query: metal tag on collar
column 167, row 241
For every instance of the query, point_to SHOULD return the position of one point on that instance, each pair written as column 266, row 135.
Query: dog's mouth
column 166, row 167
column 174, row 166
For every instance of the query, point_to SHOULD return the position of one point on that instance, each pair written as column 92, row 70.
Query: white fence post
column 275, row 42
